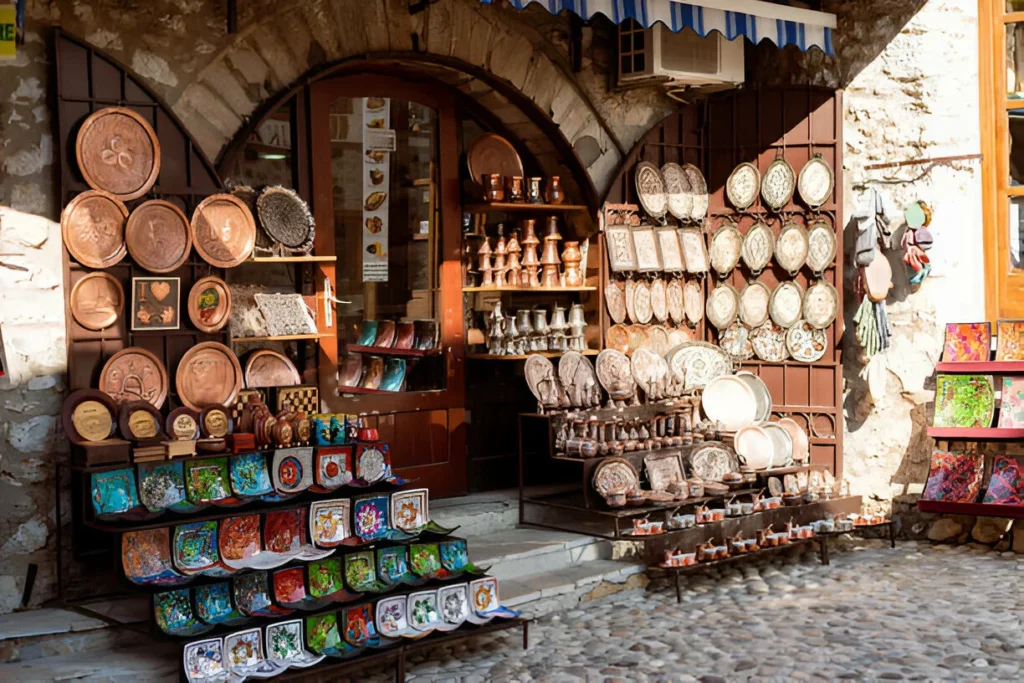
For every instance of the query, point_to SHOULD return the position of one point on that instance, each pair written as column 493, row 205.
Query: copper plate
column 89, row 415
column 266, row 368
column 183, row 424
column 617, row 337
column 492, row 153
column 158, row 236
column 134, row 374
column 96, row 301
column 118, row 152
column 223, row 230
column 209, row 304
column 140, row 421
column 93, row 228
column 208, row 375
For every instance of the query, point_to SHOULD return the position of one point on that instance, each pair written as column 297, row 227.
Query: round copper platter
column 223, row 230
column 209, row 304
column 492, row 153
column 89, row 415
column 208, row 375
column 118, row 152
column 92, row 225
column 159, row 236
column 134, row 374
column 97, row 300
column 267, row 368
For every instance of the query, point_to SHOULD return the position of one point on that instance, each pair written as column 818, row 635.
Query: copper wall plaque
column 208, row 375
column 89, row 415
column 134, row 374
column 93, row 228
column 158, row 236
column 96, row 301
column 140, row 421
column 492, row 153
column 209, row 304
column 118, row 152
column 266, row 368
column 223, row 230
column 286, row 218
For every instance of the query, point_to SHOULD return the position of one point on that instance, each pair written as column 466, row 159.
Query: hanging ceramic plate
column 650, row 190
column 730, row 401
column 712, row 461
column 209, row 304
column 821, row 246
column 755, row 447
column 782, row 444
column 208, row 375
column 615, row 374
column 223, row 230
column 758, row 247
column 677, row 185
column 786, row 305
column 816, row 182
column 754, row 304
column 615, row 299
column 821, row 304
column 801, row 444
column 769, row 342
column 743, row 186
column 96, row 301
column 658, row 340
column 118, row 152
column 695, row 252
column 92, row 225
column 806, row 343
column 698, row 363
column 674, row 301
column 637, row 337
column 778, row 184
column 761, row 393
column 615, row 476
column 642, row 303
column 679, row 336
column 699, row 192
column 726, row 245
column 158, row 236
column 723, row 305
column 659, row 300
column 285, row 216
column 630, row 292
column 693, row 302
column 492, row 153
column 617, row 338
column 791, row 247
column 735, row 340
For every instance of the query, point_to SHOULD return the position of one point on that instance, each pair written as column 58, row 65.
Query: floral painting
column 954, row 477
column 426, row 560
column 1006, row 485
column 244, row 648
column 967, row 342
column 1011, row 406
column 207, row 480
column 409, row 509
column 371, row 517
column 966, row 401
column 325, row 577
column 322, row 632
column 284, row 640
column 1010, row 340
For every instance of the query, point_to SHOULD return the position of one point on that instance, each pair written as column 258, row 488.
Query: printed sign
column 378, row 143
column 8, row 32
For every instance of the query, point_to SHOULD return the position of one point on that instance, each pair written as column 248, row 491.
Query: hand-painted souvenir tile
column 239, row 540
column 964, row 401
column 292, row 470
column 333, row 468
column 207, row 481
column 161, row 485
column 326, row 582
column 361, row 573
column 214, row 606
column 455, row 557
column 195, row 547
column 360, row 630
column 204, row 660
column 249, row 475
column 290, row 590
column 484, row 594
column 954, row 477
column 967, row 342
column 114, row 493
column 1010, row 340
column 330, row 522
column 393, row 566
column 370, row 516
column 409, row 511
column 173, row 613
column 286, row 647
column 244, row 655
column 146, row 558
column 453, row 602
column 1011, row 405
column 322, row 634
column 422, row 611
column 1006, row 486
column 252, row 595
column 391, row 617
column 372, row 462
column 425, row 561
column 284, row 531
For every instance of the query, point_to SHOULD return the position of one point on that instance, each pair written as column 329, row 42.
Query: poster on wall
column 8, row 32
column 378, row 143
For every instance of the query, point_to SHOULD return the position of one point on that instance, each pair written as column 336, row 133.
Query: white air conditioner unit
column 683, row 58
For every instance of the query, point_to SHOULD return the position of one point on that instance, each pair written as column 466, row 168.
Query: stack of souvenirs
column 529, row 331
column 371, row 363
column 502, row 267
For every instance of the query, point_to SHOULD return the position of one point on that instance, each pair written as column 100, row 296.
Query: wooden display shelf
column 973, row 509
column 363, row 390
column 519, row 207
column 989, row 367
column 293, row 259
column 385, row 351
column 792, row 470
column 546, row 354
column 529, row 290
column 283, row 337
column 975, row 434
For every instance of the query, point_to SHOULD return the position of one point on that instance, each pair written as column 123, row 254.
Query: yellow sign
column 7, row 32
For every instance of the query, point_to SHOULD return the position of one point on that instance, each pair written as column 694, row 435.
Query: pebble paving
column 919, row 612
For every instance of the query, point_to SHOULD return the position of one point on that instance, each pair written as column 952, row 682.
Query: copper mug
column 514, row 188
column 494, row 187
column 533, row 193
column 367, row 434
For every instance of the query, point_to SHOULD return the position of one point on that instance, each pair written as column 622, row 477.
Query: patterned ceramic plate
column 805, row 342
column 370, row 516
column 769, row 342
column 195, row 546
column 677, row 185
column 330, row 522
column 735, row 341
column 778, row 184
column 204, row 660
column 674, row 301
column 821, row 246
column 422, row 611
column 791, row 247
column 758, row 247
column 723, row 305
column 699, row 192
column 816, row 182
column 659, row 300
column 712, row 461
column 391, row 618
column 650, row 189
column 754, row 304
column 693, row 302
column 409, row 509
column 726, row 245
column 821, row 304
column 642, row 303
column 743, row 186
column 615, row 300
column 161, row 485
column 454, row 604
column 372, row 462
column 615, row 476
column 699, row 363
column 786, row 304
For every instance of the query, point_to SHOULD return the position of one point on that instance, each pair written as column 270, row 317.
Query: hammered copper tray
column 223, row 230
column 267, row 368
column 134, row 374
column 96, row 301
column 92, row 225
column 209, row 304
column 491, row 153
column 118, row 152
column 158, row 236
column 208, row 375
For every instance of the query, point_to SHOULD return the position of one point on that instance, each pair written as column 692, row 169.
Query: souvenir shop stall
column 268, row 536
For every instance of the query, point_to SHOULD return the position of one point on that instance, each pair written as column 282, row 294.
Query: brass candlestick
column 485, row 268
column 499, row 258
column 572, row 258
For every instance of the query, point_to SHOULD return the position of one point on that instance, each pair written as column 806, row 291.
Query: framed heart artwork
column 156, row 303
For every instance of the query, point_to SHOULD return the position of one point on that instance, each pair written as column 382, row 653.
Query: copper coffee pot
column 549, row 258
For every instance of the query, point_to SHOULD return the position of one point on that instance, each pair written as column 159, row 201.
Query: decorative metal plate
column 648, row 256
column 615, row 476
column 695, row 252
column 642, row 303
column 615, row 300
column 769, row 342
column 816, row 182
column 158, row 236
column 761, row 393
column 677, row 187
column 637, row 337
column 791, row 247
column 671, row 253
column 93, row 228
column 755, row 447
column 134, row 374
column 726, row 245
column 699, row 192
column 630, row 291
column 223, row 230
column 782, row 444
column 778, row 184
column 801, row 444
column 208, row 375
column 209, row 304
column 821, row 304
column 680, row 335
column 268, row 368
column 658, row 340
column 491, row 153
column 617, row 338
column 97, row 300
column 821, row 246
column 674, row 301
column 615, row 374
column 541, row 378
column 646, row 371
column 723, row 305
column 118, row 152
column 579, row 380
column 787, row 303
column 743, row 186
column 712, row 460
column 286, row 218
column 693, row 302
column 659, row 300
column 621, row 253
column 735, row 340
column 729, row 400
column 698, row 363
column 650, row 190
column 806, row 343
column 758, row 247
column 754, row 304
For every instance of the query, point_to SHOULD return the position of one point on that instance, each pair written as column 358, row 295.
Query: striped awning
column 751, row 19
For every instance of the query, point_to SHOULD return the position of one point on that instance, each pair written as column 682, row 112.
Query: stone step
column 545, row 592
column 152, row 663
column 478, row 514
column 513, row 553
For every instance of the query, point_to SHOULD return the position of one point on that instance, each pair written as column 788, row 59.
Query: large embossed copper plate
column 96, row 301
column 743, row 186
column 158, row 235
column 209, row 304
column 698, row 363
column 92, row 225
column 615, row 476
column 118, row 152
column 650, row 190
column 134, row 374
column 492, row 153
column 208, row 375
column 223, row 230
column 617, row 337
column 286, row 218
column 677, row 187
column 267, row 368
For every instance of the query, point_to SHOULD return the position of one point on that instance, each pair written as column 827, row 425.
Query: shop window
column 267, row 157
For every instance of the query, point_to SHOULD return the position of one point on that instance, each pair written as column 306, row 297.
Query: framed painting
column 621, row 253
column 967, row 342
column 156, row 303
column 1011, row 405
column 1010, row 340
column 954, row 477
column 966, row 401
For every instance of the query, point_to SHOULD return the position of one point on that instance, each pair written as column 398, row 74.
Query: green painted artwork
column 966, row 401
column 325, row 577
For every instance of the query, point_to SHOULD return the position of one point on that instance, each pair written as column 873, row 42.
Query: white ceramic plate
column 758, row 247
column 755, row 447
column 730, row 401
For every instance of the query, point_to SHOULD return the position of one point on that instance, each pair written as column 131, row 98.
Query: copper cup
column 514, row 188
column 494, row 187
column 533, row 193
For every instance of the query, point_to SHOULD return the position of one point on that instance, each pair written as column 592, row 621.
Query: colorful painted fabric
column 1010, row 340
column 361, row 573
column 967, row 342
column 214, row 606
column 954, row 477
column 1006, row 485
column 964, row 401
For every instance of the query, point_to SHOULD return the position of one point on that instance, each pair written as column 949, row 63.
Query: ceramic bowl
column 844, row 525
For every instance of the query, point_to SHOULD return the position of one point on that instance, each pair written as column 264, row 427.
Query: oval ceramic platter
column 698, row 363
column 769, row 343
column 806, row 343
column 650, row 190
column 615, row 300
column 821, row 246
column 735, row 340
column 791, row 247
column 659, row 300
column 118, row 152
column 743, row 186
column 642, row 303
column 726, row 245
column 615, row 476
column 674, row 298
column 754, row 304
column 758, row 247
column 729, row 401
column 778, row 185
column 821, row 304
column 723, row 305
column 698, row 191
column 816, row 182
column 786, row 304
column 693, row 302
column 677, row 187
column 630, row 291
column 658, row 340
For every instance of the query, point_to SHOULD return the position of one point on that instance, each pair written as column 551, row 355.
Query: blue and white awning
column 751, row 19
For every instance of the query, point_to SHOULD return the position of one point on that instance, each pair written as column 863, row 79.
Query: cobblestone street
column 919, row 612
